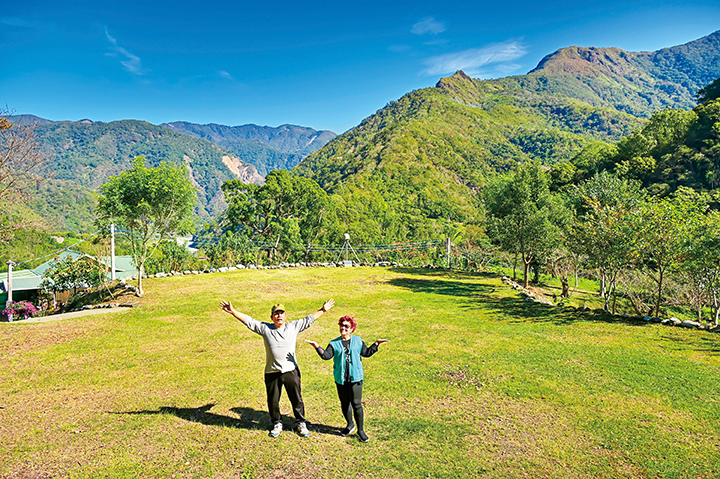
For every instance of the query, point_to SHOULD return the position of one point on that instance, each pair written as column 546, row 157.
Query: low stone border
column 530, row 296
column 224, row 269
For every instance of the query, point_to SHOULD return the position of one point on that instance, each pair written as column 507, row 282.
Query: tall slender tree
column 148, row 205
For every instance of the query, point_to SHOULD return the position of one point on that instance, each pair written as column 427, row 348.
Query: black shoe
column 347, row 431
column 363, row 437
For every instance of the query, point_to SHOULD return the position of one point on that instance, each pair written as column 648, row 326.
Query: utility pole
column 112, row 251
column 447, row 251
column 10, row 265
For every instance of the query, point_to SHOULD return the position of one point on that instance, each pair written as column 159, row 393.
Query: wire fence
column 55, row 253
column 440, row 253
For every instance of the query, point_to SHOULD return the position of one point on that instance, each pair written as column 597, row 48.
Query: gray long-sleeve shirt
column 280, row 344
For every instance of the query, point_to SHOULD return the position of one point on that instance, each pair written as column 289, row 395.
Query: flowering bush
column 20, row 309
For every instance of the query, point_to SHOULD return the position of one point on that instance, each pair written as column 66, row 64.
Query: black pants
column 274, row 383
column 350, row 395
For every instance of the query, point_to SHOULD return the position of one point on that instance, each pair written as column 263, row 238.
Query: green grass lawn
column 475, row 382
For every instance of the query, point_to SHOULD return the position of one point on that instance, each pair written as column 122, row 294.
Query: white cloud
column 429, row 25
column 131, row 62
column 226, row 75
column 473, row 60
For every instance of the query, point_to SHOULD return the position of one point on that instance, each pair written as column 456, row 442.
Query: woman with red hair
column 347, row 351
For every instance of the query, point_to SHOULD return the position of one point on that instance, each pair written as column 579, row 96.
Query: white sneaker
column 276, row 430
column 303, row 430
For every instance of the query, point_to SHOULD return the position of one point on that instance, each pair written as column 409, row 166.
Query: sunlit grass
column 475, row 382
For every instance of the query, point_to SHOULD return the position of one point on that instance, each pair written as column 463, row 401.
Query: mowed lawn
column 475, row 382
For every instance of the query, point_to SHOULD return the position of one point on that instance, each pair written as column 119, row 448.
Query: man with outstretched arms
column 281, row 368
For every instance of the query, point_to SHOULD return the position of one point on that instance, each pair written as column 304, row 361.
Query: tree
column 287, row 212
column 231, row 250
column 604, row 231
column 71, row 274
column 523, row 216
column 701, row 267
column 170, row 256
column 709, row 92
column 147, row 205
column 665, row 230
column 21, row 158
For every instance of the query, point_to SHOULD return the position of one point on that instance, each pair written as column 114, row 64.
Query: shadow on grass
column 710, row 345
column 507, row 306
column 447, row 283
column 250, row 419
column 513, row 308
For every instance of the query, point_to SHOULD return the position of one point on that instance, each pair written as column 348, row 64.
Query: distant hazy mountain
column 85, row 153
column 425, row 156
column 29, row 119
column 265, row 147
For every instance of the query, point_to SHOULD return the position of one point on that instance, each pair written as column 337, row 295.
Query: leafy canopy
column 148, row 204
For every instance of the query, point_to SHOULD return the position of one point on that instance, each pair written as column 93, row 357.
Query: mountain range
column 426, row 156
column 264, row 147
column 83, row 154
column 417, row 166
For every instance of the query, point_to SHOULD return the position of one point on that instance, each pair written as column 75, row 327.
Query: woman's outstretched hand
column 312, row 343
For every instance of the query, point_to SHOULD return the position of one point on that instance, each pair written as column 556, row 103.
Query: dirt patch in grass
column 462, row 379
column 32, row 472
column 18, row 339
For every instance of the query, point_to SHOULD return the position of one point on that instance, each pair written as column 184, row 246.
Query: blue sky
column 322, row 64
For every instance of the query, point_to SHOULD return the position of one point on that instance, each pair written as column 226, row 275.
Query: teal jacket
column 341, row 362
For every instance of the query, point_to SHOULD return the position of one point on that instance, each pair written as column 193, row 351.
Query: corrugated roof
column 23, row 283
column 30, row 279
column 60, row 256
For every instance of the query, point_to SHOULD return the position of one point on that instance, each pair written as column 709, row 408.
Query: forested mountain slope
column 84, row 154
column 638, row 83
column 264, row 147
column 419, row 163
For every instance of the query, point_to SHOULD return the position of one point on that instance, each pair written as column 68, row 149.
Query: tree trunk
column 565, row 287
column 659, row 297
column 526, row 268
column 576, row 277
column 140, row 275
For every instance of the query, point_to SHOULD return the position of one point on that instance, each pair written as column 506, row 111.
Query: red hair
column 349, row 319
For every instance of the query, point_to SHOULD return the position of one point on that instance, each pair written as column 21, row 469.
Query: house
column 26, row 282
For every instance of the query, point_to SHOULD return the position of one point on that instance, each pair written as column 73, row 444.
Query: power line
column 58, row 251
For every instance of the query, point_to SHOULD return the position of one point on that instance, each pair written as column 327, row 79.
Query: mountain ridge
column 267, row 148
column 455, row 135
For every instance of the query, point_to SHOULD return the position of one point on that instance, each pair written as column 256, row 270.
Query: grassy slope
column 475, row 383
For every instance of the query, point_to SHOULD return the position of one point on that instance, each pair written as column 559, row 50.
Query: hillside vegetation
column 416, row 168
column 425, row 158
column 676, row 149
column 84, row 154
column 264, row 147
column 638, row 83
